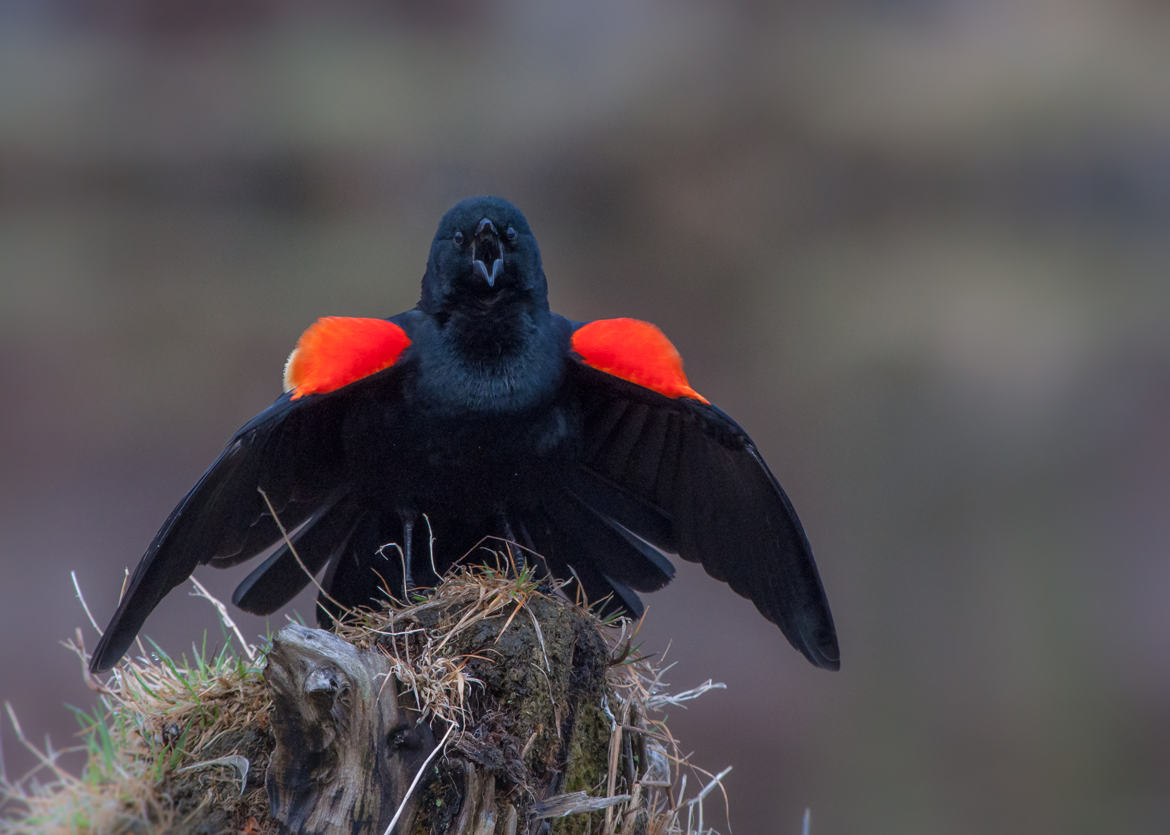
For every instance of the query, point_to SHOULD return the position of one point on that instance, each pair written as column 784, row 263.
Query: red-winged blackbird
column 480, row 413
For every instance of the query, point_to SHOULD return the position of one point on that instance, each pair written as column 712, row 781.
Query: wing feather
column 295, row 452
column 726, row 510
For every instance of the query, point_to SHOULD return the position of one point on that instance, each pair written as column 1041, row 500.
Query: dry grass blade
column 240, row 764
column 575, row 803
column 225, row 618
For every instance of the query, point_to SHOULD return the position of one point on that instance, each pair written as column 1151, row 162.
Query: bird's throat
column 505, row 361
column 491, row 329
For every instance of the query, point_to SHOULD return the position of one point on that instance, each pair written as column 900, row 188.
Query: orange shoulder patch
column 635, row 351
column 338, row 350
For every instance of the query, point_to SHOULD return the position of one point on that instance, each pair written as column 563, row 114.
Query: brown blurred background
column 919, row 248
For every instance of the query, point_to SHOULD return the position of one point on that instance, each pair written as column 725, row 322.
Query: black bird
column 480, row 413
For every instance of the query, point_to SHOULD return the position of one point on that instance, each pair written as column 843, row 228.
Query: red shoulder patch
column 338, row 350
column 635, row 351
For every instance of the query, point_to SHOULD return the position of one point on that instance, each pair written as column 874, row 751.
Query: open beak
column 487, row 255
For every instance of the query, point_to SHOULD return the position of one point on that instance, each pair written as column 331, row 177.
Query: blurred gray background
column 918, row 248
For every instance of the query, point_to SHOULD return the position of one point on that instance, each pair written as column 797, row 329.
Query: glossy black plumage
column 490, row 425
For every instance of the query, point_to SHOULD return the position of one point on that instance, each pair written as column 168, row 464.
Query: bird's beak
column 487, row 255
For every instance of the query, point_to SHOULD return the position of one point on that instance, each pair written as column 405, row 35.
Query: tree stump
column 519, row 694
column 491, row 706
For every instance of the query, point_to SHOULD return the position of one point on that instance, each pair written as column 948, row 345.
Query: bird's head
column 483, row 252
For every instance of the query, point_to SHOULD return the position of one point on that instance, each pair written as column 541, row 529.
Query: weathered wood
column 346, row 751
column 535, row 726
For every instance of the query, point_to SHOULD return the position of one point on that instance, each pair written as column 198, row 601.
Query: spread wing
column 653, row 439
column 294, row 452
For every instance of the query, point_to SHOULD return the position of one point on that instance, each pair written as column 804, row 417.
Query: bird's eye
column 510, row 234
column 458, row 238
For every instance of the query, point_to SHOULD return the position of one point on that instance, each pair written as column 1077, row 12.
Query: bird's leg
column 407, row 552
column 526, row 540
column 515, row 555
